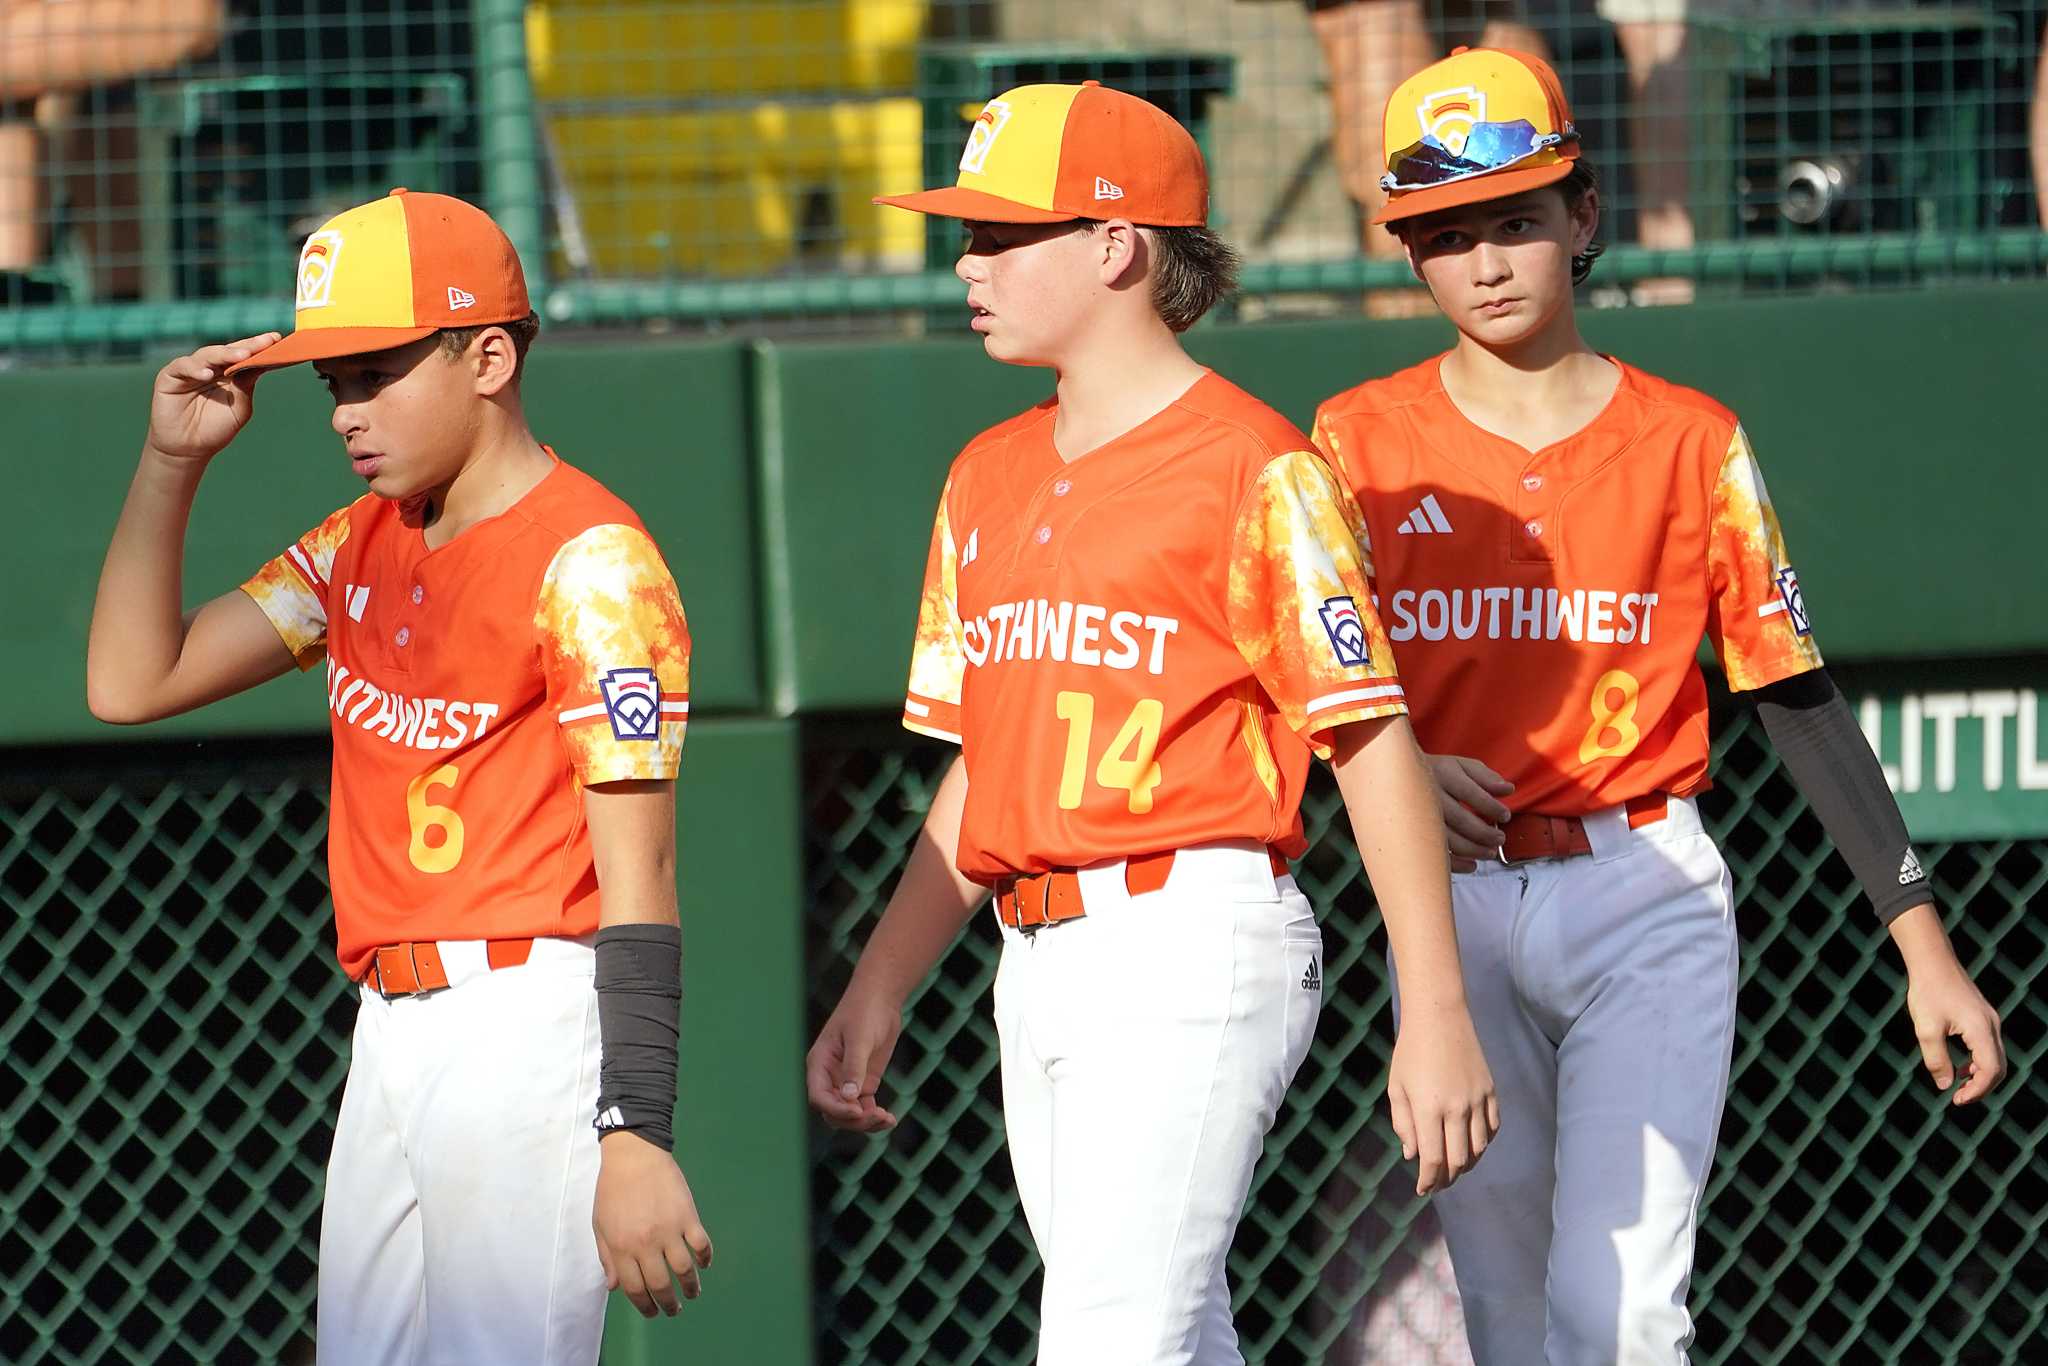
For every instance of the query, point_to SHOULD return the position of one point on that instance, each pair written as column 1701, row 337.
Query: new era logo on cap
column 1108, row 189
column 460, row 298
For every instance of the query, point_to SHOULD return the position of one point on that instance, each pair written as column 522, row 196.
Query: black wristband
column 1824, row 750
column 639, row 1003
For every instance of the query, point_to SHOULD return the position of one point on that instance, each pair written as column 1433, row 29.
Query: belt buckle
column 1044, row 911
column 412, row 961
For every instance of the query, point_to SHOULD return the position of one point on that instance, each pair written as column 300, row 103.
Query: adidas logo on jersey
column 1312, row 980
column 1427, row 518
column 1910, row 870
column 968, row 555
column 610, row 1118
column 356, row 597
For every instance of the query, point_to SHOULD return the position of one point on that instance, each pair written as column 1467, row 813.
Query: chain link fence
column 1852, row 1216
column 710, row 163
column 173, row 1047
column 173, row 1043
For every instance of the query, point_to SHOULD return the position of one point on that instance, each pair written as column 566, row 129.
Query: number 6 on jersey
column 423, row 816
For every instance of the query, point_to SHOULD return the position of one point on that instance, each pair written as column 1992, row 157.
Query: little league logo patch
column 632, row 699
column 1448, row 116
column 988, row 125
column 316, row 269
column 1794, row 600
column 1347, row 631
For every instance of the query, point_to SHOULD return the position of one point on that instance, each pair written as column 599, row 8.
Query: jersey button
column 404, row 636
column 419, row 595
column 1531, row 482
column 1044, row 535
column 1534, row 528
column 1063, row 488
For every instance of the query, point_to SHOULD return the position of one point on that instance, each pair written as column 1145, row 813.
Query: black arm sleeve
column 1809, row 722
column 639, row 1002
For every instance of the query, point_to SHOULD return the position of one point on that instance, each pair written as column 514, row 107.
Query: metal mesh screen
column 173, row 1049
column 1851, row 1215
column 712, row 162
column 173, row 1041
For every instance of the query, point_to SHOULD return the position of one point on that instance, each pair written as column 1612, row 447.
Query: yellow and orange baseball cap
column 394, row 270
column 1483, row 123
column 1054, row 153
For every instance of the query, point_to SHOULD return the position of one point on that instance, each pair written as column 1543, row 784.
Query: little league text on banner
column 1965, row 764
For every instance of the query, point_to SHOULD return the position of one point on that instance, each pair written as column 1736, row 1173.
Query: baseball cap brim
column 330, row 343
column 1480, row 188
column 952, row 201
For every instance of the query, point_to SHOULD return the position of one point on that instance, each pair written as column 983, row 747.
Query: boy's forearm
column 1392, row 805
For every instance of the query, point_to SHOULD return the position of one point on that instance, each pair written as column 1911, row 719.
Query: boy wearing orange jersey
column 1552, row 532
column 1143, row 609
column 507, row 676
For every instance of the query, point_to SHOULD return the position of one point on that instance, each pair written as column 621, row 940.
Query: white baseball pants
column 1145, row 1050
column 456, row 1228
column 1603, row 989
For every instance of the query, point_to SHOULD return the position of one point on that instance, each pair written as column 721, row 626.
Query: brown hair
column 455, row 340
column 1193, row 270
column 1582, row 181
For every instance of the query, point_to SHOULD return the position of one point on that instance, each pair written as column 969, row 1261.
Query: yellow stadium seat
column 652, row 49
column 698, row 136
column 722, row 191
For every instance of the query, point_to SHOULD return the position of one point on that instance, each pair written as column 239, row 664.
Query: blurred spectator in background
column 1655, row 47
column 50, row 52
column 2037, row 131
column 1371, row 46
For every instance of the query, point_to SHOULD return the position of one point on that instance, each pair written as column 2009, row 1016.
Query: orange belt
column 1528, row 836
column 1034, row 900
column 409, row 969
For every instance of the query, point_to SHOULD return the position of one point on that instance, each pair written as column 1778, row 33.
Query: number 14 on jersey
column 1126, row 765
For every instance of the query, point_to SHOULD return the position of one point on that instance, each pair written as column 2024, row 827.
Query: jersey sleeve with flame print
column 1300, row 607
column 938, row 659
column 292, row 589
column 616, row 654
column 1756, row 615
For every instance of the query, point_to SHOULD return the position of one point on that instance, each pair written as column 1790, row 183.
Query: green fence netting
column 172, row 1043
column 173, row 1048
column 1851, row 1216
column 713, row 162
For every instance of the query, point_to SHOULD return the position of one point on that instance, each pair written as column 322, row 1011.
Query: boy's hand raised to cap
column 194, row 411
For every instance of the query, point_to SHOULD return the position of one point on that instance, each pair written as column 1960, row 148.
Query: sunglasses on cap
column 1488, row 147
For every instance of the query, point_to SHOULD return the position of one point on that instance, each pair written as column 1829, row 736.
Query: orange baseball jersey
column 474, row 690
column 1547, row 607
column 1137, row 650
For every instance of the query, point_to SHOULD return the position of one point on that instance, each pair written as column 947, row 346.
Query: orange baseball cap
column 1483, row 123
column 1054, row 153
column 394, row 270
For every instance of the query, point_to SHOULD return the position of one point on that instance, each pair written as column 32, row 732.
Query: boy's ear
column 495, row 358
